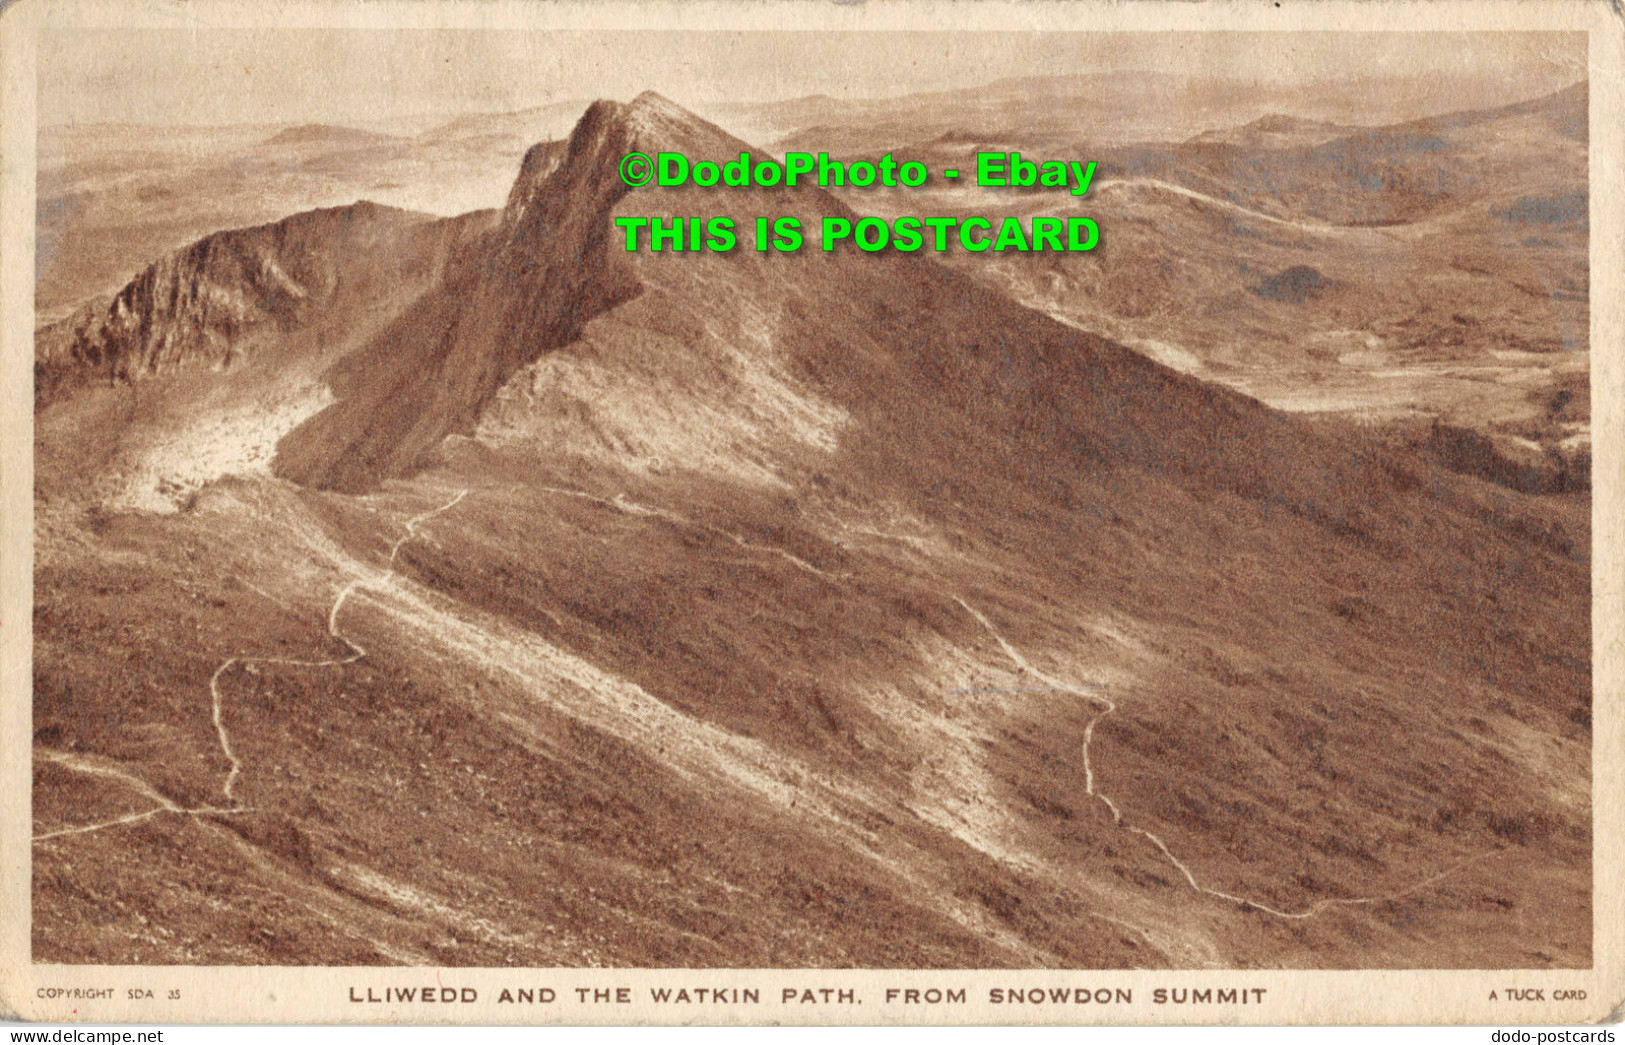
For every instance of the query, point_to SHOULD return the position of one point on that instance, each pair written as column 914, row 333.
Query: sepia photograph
column 1021, row 500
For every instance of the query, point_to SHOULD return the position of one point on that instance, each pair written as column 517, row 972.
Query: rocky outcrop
column 201, row 304
column 1294, row 285
column 484, row 294
column 1521, row 466
column 541, row 160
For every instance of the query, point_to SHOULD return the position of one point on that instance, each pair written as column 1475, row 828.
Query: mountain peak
column 654, row 100
column 582, row 171
column 653, row 123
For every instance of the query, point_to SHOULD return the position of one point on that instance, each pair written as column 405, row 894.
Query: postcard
column 750, row 513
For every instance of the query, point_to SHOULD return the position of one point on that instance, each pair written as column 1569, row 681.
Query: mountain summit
column 524, row 291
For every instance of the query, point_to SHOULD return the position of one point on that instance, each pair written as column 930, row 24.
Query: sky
column 275, row 76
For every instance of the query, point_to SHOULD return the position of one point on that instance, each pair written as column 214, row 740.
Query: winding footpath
column 1106, row 706
column 79, row 764
column 357, row 651
column 1093, row 693
column 228, row 789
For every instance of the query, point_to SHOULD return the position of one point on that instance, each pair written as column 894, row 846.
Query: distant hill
column 328, row 134
column 1275, row 131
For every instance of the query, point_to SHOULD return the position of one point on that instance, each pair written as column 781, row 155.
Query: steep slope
column 132, row 403
column 550, row 269
column 1460, row 293
column 199, row 305
column 809, row 610
column 526, row 290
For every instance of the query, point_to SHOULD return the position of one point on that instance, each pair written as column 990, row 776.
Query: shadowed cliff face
column 527, row 289
column 540, row 161
column 198, row 306
column 1432, row 269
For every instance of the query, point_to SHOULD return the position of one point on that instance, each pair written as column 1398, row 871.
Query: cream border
column 256, row 995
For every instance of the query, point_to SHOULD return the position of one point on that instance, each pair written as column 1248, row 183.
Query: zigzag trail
column 165, row 805
column 1110, row 706
column 357, row 652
